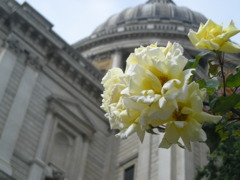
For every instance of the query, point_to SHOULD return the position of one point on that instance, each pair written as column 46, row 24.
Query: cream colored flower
column 156, row 79
column 186, row 122
column 147, row 91
column 125, row 120
column 121, row 118
column 213, row 37
column 112, row 87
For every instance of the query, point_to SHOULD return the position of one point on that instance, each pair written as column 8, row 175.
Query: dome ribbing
column 152, row 11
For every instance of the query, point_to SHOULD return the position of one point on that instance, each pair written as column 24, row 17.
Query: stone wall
column 48, row 91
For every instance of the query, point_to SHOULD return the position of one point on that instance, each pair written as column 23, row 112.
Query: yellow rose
column 156, row 79
column 147, row 91
column 125, row 120
column 121, row 118
column 186, row 122
column 213, row 37
column 112, row 87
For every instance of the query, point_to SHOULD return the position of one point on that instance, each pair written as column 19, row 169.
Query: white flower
column 112, row 87
column 158, row 70
column 186, row 122
column 146, row 94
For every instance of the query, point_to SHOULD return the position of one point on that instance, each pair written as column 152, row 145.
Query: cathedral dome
column 156, row 21
column 152, row 11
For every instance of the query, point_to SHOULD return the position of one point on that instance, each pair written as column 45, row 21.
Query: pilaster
column 189, row 165
column 143, row 169
column 117, row 59
column 178, row 163
column 164, row 162
column 83, row 159
column 37, row 166
column 15, row 119
column 111, row 156
column 7, row 63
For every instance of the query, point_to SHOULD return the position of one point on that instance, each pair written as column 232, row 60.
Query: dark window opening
column 125, row 55
column 129, row 173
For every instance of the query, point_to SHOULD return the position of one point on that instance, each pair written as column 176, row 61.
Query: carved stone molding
column 70, row 111
column 13, row 45
column 38, row 50
column 34, row 62
column 31, row 60
column 75, row 76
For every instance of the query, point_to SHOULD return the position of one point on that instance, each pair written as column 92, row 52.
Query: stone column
column 164, row 162
column 143, row 169
column 117, row 59
column 189, row 165
column 111, row 160
column 38, row 165
column 178, row 163
column 83, row 161
column 7, row 63
column 15, row 119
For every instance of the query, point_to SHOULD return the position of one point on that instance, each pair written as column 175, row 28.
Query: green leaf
column 223, row 134
column 219, row 127
column 236, row 133
column 213, row 68
column 233, row 80
column 193, row 63
column 237, row 106
column 201, row 83
column 201, row 54
column 211, row 85
column 223, row 164
column 213, row 138
column 224, row 103
column 212, row 97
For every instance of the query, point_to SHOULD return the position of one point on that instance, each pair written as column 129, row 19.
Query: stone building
column 51, row 124
column 50, row 118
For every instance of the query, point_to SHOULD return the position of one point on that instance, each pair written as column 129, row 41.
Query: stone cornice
column 123, row 43
column 126, row 36
column 161, row 28
column 74, row 74
column 42, row 47
column 12, row 45
column 32, row 59
column 34, row 62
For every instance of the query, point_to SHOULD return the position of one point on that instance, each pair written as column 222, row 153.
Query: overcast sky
column 74, row 20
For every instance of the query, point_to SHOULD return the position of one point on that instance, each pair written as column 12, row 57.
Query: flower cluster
column 212, row 36
column 155, row 91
